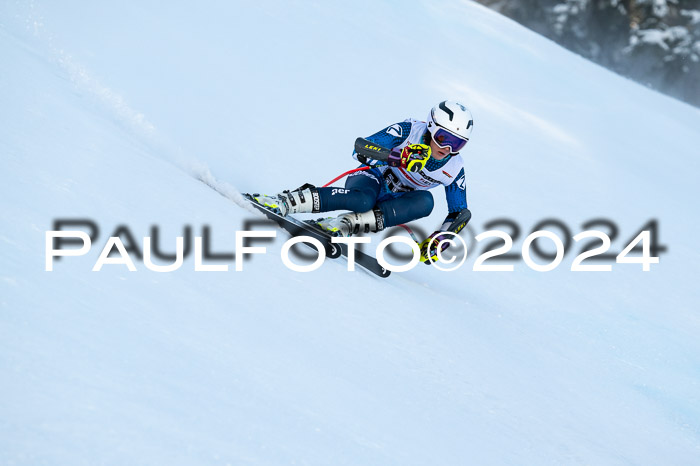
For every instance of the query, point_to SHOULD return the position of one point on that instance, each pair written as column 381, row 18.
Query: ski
column 362, row 259
column 297, row 227
column 366, row 262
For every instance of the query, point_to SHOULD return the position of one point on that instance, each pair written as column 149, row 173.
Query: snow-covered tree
column 656, row 42
column 664, row 46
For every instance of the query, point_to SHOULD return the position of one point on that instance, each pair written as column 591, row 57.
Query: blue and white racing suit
column 400, row 195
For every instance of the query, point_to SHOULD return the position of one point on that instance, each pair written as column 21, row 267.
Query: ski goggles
column 444, row 138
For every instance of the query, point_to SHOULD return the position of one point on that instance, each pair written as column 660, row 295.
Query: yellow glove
column 413, row 158
column 429, row 247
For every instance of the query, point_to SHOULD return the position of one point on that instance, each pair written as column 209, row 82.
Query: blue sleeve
column 390, row 137
column 456, row 193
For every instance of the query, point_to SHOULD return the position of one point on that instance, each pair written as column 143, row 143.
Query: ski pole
column 410, row 232
column 345, row 174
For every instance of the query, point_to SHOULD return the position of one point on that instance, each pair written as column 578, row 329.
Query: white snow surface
column 114, row 111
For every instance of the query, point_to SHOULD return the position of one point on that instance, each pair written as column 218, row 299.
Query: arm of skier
column 457, row 218
column 390, row 137
column 412, row 157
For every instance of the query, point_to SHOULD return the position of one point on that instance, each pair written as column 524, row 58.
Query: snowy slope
column 113, row 112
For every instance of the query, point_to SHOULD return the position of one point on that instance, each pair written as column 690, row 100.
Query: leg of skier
column 396, row 209
column 373, row 206
column 406, row 207
column 360, row 194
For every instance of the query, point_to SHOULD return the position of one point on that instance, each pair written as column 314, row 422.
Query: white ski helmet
column 450, row 124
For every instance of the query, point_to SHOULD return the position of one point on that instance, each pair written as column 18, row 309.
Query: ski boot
column 302, row 200
column 353, row 223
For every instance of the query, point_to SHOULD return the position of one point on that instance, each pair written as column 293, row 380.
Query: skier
column 395, row 189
